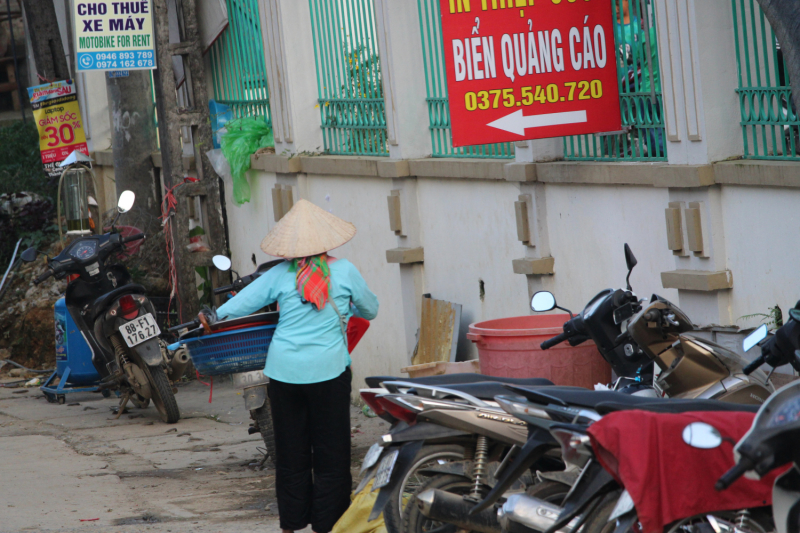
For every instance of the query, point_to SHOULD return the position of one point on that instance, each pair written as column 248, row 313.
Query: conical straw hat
column 307, row 230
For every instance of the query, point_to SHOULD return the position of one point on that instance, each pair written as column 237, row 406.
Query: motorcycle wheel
column 263, row 417
column 411, row 484
column 416, row 522
column 163, row 398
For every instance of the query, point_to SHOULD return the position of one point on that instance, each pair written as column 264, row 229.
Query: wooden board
column 438, row 333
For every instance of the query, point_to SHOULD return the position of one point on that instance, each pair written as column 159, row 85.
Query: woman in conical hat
column 308, row 362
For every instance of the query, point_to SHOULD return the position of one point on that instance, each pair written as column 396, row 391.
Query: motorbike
column 598, row 503
column 633, row 335
column 771, row 442
column 117, row 319
column 253, row 384
column 445, row 428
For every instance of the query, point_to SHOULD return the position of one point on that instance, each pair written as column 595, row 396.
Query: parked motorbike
column 772, row 440
column 252, row 384
column 633, row 334
column 598, row 504
column 453, row 433
column 117, row 319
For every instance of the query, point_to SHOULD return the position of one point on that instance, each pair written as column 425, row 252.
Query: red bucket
column 509, row 347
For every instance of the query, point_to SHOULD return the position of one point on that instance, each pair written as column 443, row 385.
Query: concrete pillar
column 400, row 46
column 412, row 278
column 701, row 274
column 698, row 79
column 291, row 75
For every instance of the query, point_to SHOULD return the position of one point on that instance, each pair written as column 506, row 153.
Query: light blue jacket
column 308, row 346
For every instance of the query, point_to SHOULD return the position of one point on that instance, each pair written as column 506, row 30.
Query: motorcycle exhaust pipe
column 453, row 509
column 532, row 513
column 178, row 364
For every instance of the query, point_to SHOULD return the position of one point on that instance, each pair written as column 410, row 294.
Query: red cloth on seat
column 356, row 327
column 667, row 479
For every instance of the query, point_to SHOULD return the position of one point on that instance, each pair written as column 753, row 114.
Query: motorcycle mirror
column 125, row 202
column 631, row 261
column 701, row 435
column 795, row 314
column 755, row 337
column 221, row 262
column 29, row 255
column 543, row 301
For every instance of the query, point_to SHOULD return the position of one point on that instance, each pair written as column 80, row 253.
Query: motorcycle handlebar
column 133, row 238
column 46, row 274
column 749, row 369
column 558, row 339
column 223, row 290
column 194, row 322
column 652, row 315
column 733, row 474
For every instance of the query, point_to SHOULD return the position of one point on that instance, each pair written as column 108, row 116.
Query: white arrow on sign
column 517, row 122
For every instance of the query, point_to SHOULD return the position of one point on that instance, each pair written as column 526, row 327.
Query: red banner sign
column 518, row 70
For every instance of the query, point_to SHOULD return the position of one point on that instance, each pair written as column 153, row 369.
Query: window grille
column 639, row 79
column 238, row 69
column 770, row 125
column 349, row 80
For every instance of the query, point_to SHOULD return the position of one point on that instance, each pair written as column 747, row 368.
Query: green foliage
column 21, row 171
column 204, row 288
column 21, row 162
column 773, row 318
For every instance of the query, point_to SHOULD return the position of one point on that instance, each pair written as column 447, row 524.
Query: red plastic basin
column 509, row 347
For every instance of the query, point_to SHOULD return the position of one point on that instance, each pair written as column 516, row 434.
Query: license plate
column 139, row 330
column 385, row 467
column 373, row 454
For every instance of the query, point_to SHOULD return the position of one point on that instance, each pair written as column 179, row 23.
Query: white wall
column 469, row 234
column 588, row 227
column 762, row 231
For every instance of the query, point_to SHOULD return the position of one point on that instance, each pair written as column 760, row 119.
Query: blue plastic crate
column 231, row 352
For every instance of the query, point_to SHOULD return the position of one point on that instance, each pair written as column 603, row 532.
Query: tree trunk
column 784, row 17
column 48, row 48
column 133, row 140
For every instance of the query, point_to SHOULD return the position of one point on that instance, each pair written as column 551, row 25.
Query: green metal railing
column 237, row 63
column 770, row 125
column 430, row 22
column 639, row 82
column 349, row 80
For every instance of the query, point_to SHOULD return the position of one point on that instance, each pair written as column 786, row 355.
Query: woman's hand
column 207, row 317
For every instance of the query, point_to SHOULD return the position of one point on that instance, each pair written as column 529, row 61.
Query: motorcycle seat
column 487, row 390
column 102, row 303
column 617, row 401
column 444, row 380
column 676, row 405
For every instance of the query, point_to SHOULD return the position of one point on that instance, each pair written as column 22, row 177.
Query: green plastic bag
column 244, row 137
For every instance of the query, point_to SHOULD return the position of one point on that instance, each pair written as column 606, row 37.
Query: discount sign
column 58, row 117
column 522, row 70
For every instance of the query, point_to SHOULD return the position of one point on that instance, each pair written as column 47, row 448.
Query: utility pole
column 194, row 116
column 133, row 140
column 48, row 49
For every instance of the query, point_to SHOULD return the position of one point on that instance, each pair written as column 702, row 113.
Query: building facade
column 703, row 182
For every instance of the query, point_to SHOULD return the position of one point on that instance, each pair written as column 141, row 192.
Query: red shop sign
column 522, row 70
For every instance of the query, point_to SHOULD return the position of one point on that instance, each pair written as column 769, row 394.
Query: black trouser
column 312, row 433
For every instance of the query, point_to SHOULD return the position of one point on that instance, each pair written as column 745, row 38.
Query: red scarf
column 313, row 279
